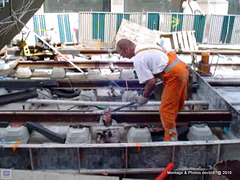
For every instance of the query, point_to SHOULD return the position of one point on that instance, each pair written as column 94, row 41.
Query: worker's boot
column 170, row 134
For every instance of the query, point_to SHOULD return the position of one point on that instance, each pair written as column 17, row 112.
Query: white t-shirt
column 149, row 62
column 191, row 7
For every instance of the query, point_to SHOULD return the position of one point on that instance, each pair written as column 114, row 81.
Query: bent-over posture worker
column 150, row 63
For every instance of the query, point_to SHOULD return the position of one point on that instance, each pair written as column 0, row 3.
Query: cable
column 216, row 64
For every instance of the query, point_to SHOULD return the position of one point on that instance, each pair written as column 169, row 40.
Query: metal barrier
column 224, row 29
column 74, row 27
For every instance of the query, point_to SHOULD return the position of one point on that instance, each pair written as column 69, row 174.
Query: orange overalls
column 173, row 97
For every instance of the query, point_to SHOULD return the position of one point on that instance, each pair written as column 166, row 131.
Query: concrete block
column 94, row 75
column 138, row 135
column 41, row 73
column 81, row 135
column 23, row 175
column 58, row 73
column 16, row 134
column 74, row 75
column 2, row 134
column 49, row 175
column 39, row 138
column 199, row 132
column 23, row 73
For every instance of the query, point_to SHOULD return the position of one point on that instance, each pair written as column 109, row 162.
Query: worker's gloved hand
column 141, row 99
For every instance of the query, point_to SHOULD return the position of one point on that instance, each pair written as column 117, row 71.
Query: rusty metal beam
column 226, row 52
column 147, row 117
column 94, row 84
column 86, row 51
column 89, row 51
column 89, row 64
column 81, row 64
column 223, row 82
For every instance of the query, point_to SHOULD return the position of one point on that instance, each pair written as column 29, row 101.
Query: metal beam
column 227, row 52
column 102, row 103
column 94, row 84
column 216, row 101
column 86, row 51
column 81, row 64
column 146, row 117
column 89, row 64
column 13, row 84
column 223, row 82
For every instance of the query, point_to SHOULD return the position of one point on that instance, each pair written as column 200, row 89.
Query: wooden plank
column 175, row 41
column 180, row 40
column 194, row 41
column 185, row 40
column 190, row 40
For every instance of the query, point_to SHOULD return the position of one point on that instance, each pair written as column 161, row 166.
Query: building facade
column 120, row 6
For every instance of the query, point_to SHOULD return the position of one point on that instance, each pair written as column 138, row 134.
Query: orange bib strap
column 173, row 59
column 150, row 48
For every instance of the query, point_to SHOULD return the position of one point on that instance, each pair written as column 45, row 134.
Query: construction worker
column 192, row 7
column 151, row 63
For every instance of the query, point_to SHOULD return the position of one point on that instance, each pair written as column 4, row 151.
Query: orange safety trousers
column 173, row 96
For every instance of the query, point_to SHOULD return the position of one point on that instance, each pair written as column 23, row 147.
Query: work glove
column 141, row 99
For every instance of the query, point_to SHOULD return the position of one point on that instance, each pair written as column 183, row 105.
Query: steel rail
column 81, row 64
column 141, row 117
column 94, row 84
column 91, row 84
column 102, row 103
column 107, row 51
column 92, row 64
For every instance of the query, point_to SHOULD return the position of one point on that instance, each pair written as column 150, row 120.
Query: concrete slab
column 41, row 175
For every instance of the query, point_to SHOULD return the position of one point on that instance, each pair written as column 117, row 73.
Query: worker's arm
column 143, row 98
column 199, row 10
column 150, row 85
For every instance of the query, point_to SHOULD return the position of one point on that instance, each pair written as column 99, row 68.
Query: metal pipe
column 223, row 82
column 102, row 103
column 129, row 145
column 18, row 96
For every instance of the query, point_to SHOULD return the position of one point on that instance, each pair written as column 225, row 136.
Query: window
column 58, row 6
column 152, row 5
column 2, row 3
column 234, row 7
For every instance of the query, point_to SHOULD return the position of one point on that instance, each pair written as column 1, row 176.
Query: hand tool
column 107, row 116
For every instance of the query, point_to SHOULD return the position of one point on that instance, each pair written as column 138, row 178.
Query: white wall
column 117, row 6
column 214, row 6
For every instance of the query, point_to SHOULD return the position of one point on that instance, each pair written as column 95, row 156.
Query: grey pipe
column 102, row 103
